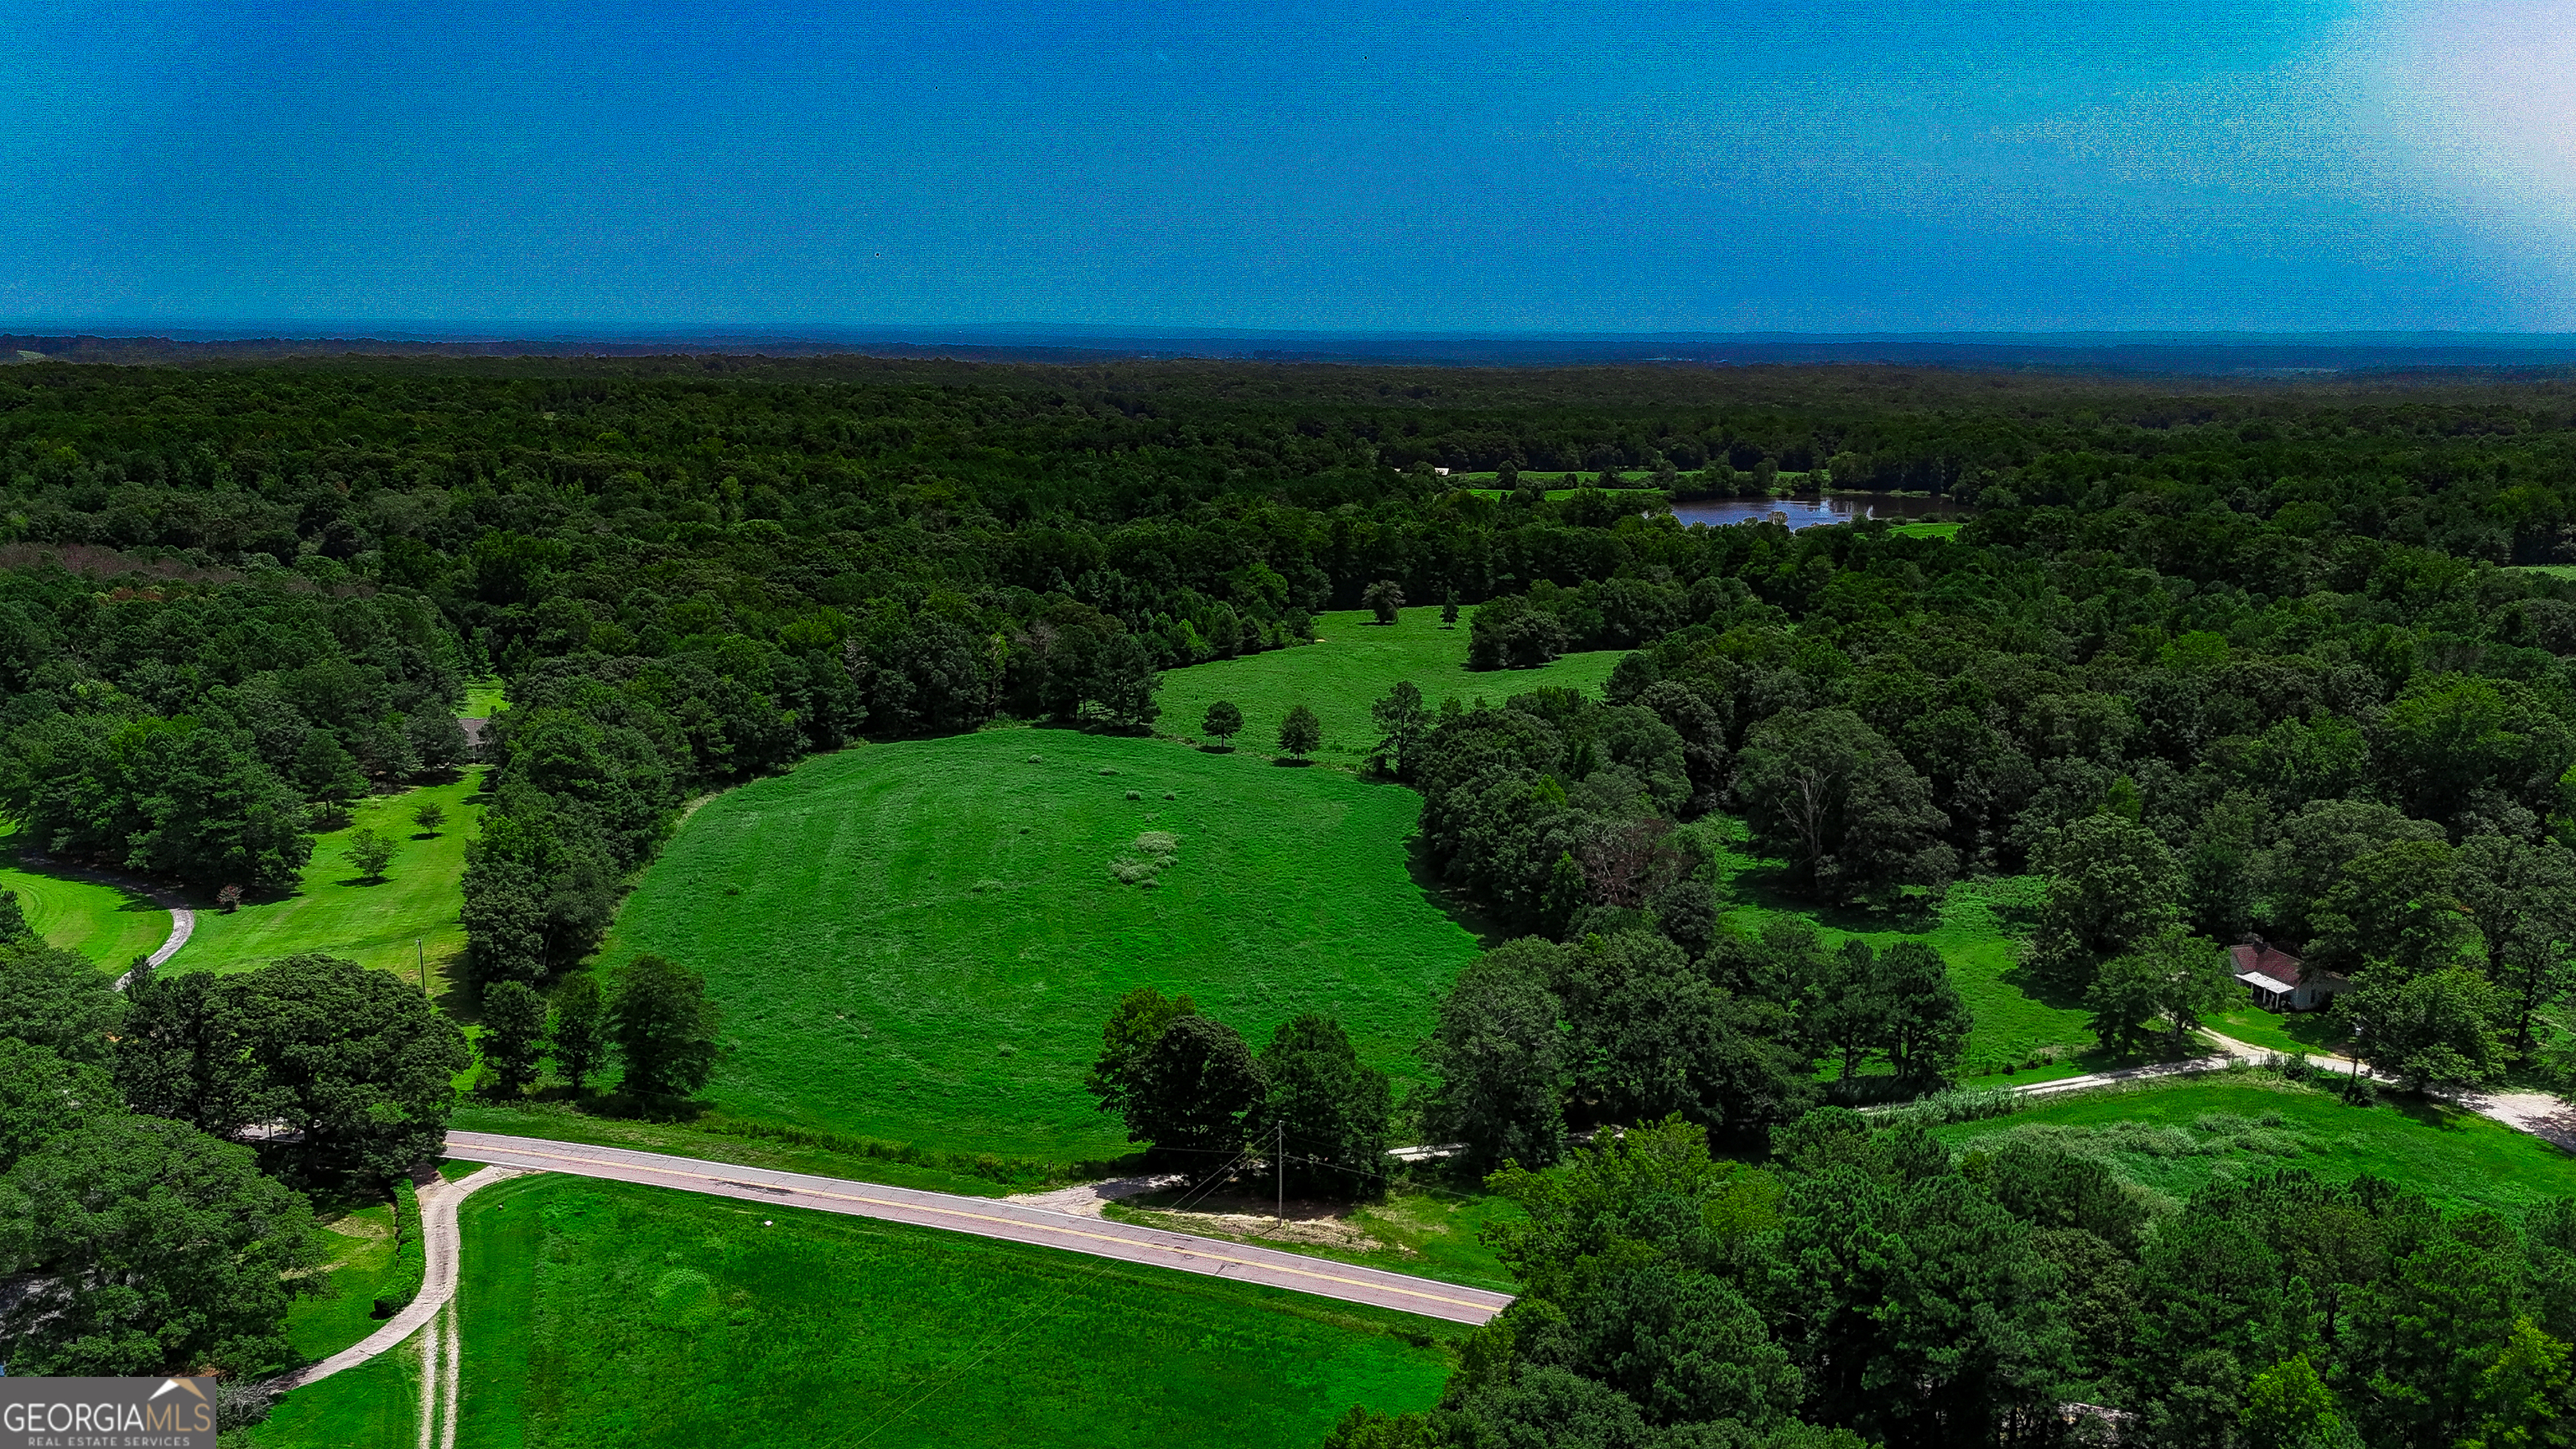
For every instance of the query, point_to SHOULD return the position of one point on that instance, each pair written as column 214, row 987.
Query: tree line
column 1870, row 1284
column 161, row 1147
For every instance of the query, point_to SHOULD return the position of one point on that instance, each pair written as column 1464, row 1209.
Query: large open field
column 2174, row 1136
column 600, row 1313
column 921, row 940
column 393, row 924
column 1353, row 666
column 110, row 924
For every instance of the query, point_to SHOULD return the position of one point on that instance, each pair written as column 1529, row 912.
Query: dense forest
column 2214, row 659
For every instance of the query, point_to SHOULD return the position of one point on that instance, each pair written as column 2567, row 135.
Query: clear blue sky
column 1563, row 166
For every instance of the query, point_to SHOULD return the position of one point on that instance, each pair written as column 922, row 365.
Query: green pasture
column 482, row 699
column 1927, row 530
column 2175, row 1135
column 410, row 915
column 703, row 1138
column 1352, row 667
column 920, row 940
column 110, row 924
column 603, row 1313
column 2555, row 571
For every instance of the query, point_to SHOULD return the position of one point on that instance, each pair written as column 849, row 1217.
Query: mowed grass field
column 1979, row 932
column 921, row 940
column 602, row 1313
column 392, row 924
column 109, row 924
column 1357, row 661
column 2176, row 1135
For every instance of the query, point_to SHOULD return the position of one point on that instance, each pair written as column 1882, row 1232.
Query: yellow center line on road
column 990, row 1218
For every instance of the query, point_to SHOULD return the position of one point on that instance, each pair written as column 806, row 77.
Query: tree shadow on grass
column 1450, row 902
column 2047, row 990
column 1285, row 763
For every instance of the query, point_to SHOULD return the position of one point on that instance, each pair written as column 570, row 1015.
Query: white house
column 2280, row 983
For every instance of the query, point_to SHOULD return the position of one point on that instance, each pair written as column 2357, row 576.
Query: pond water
column 1809, row 512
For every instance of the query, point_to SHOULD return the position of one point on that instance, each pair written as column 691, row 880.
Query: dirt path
column 438, row 1204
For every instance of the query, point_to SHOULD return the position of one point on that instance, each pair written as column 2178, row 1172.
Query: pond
column 1808, row 512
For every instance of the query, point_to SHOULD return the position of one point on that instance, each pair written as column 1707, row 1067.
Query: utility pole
column 1279, row 1160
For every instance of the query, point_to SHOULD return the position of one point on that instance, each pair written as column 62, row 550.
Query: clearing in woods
column 1354, row 666
column 921, row 940
column 2175, row 1135
column 605, row 1313
column 391, row 924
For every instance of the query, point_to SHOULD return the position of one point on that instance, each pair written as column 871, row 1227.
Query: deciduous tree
column 665, row 1030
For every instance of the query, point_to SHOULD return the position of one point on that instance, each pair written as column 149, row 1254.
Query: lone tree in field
column 1403, row 725
column 1300, row 732
column 1223, row 722
column 514, row 1035
column 429, row 816
column 1449, row 610
column 581, row 1036
column 1383, row 599
column 370, row 853
column 665, row 1030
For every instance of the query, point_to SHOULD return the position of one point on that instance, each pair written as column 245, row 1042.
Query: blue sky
column 1566, row 166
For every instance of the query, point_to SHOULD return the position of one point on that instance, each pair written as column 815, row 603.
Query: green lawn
column 1927, row 530
column 2175, row 1136
column 373, row 1406
column 392, row 924
column 602, row 1313
column 1978, row 934
column 1356, row 663
column 920, row 940
column 2311, row 1033
column 109, row 924
column 362, row 1249
column 482, row 699
column 2558, row 571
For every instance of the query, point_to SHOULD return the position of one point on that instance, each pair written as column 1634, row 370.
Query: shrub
column 411, row 1264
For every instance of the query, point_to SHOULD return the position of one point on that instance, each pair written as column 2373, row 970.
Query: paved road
column 438, row 1279
column 992, row 1218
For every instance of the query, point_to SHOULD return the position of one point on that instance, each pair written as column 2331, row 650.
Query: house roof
column 2259, row 964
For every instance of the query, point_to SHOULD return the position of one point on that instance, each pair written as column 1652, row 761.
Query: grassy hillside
column 921, row 940
column 388, row 924
column 1356, row 661
column 599, row 1313
column 111, row 925
column 2174, row 1136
